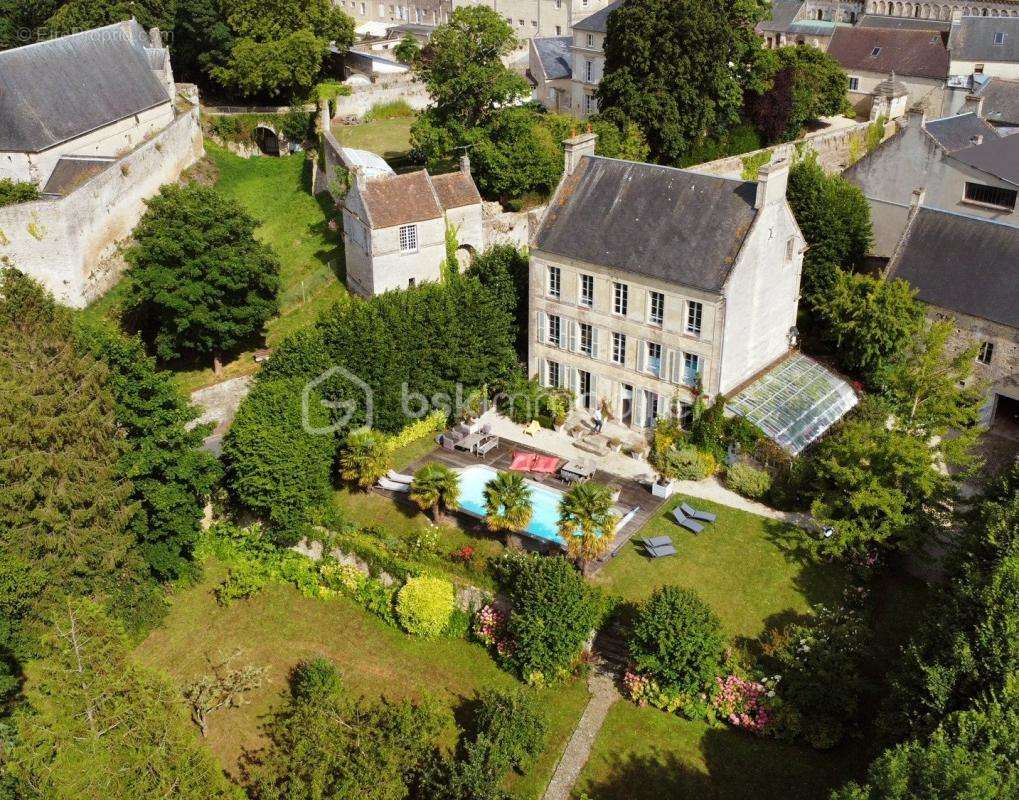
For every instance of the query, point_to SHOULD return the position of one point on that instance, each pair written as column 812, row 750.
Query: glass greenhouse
column 795, row 403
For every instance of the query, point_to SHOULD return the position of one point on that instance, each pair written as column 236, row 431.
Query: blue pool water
column 545, row 502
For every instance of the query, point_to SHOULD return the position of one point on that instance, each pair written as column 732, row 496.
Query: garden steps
column 610, row 649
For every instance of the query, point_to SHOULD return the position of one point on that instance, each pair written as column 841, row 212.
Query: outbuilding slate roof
column 455, row 190
column 57, row 90
column 783, row 12
column 962, row 264
column 598, row 22
column 972, row 39
column 554, row 54
column 913, row 54
column 1001, row 101
column 957, row 133
column 998, row 157
column 416, row 196
column 661, row 222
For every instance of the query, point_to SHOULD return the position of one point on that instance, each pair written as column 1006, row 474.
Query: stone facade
column 425, row 12
column 706, row 341
column 588, row 60
column 66, row 243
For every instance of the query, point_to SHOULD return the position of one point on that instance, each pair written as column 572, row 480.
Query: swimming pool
column 544, row 501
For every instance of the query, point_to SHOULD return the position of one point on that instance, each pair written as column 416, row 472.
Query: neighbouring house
column 375, row 19
column 550, row 71
column 961, row 163
column 95, row 120
column 1001, row 101
column 929, row 23
column 394, row 226
column 966, row 270
column 794, row 22
column 651, row 286
column 918, row 59
column 985, row 46
column 541, row 18
column 587, row 59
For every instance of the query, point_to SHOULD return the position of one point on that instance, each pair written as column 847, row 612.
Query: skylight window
column 999, row 37
column 875, row 52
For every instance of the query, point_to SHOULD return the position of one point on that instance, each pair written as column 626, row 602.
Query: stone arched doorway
column 267, row 140
column 465, row 255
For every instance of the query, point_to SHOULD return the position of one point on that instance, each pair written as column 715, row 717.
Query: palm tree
column 435, row 487
column 508, row 502
column 365, row 458
column 586, row 521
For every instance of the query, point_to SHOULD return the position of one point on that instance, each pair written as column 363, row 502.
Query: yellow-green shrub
column 424, row 606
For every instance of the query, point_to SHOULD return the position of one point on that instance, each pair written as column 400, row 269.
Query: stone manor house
column 650, row 285
column 95, row 121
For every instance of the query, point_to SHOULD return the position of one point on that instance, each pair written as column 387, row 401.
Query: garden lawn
column 646, row 754
column 753, row 571
column 389, row 138
column 279, row 627
column 276, row 192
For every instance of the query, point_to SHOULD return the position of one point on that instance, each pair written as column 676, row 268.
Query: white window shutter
column 641, row 354
column 542, row 327
column 543, row 372
column 595, row 399
column 572, row 380
column 595, row 337
column 639, row 407
column 573, row 334
column 676, row 363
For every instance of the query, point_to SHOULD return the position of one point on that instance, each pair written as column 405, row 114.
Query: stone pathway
column 604, row 695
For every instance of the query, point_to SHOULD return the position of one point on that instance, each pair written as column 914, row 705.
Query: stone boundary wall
column 834, row 150
column 68, row 244
column 468, row 598
column 361, row 98
column 509, row 227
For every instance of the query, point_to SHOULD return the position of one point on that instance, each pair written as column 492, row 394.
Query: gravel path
column 578, row 749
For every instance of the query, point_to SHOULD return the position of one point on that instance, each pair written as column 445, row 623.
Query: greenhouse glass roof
column 795, row 403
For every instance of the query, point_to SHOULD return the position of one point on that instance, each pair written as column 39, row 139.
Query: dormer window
column 999, row 37
column 875, row 52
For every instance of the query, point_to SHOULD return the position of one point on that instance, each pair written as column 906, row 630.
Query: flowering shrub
column 748, row 481
column 490, row 630
column 744, row 703
column 645, row 691
column 424, row 606
column 463, row 556
column 341, row 577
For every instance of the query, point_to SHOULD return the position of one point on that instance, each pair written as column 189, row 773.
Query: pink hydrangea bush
column 744, row 703
column 490, row 630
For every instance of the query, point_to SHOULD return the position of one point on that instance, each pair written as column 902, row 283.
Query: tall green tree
column 81, row 15
column 679, row 68
column 327, row 745
column 364, row 458
column 172, row 476
column 868, row 322
column 100, row 727
column 834, row 217
column 201, row 285
column 202, row 40
column 973, row 755
column 587, row 522
column 65, row 508
column 878, row 485
column 278, row 47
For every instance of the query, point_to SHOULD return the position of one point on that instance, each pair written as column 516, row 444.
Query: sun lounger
column 693, row 513
column 397, row 477
column 686, row 522
column 393, row 486
column 658, row 541
column 661, row 552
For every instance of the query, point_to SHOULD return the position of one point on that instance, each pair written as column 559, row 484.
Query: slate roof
column 956, row 133
column 661, row 222
column 903, row 23
column 415, row 197
column 57, row 90
column 554, row 54
column 70, row 173
column 783, row 12
column 1001, row 101
column 598, row 22
column 998, row 157
column 455, row 190
column 972, row 39
column 962, row 264
column 913, row 54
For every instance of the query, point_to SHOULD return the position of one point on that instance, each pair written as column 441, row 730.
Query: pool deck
column 632, row 494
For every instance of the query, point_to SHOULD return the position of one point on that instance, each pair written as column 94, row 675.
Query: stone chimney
column 156, row 38
column 978, row 139
column 771, row 183
column 973, row 105
column 916, row 201
column 465, row 164
column 577, row 147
